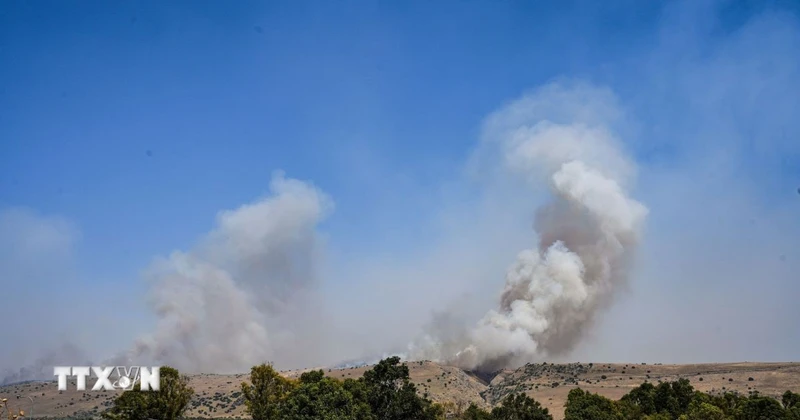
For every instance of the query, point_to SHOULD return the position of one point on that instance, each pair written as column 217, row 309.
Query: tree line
column 385, row 392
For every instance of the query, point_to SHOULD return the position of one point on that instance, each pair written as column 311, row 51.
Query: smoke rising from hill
column 220, row 305
column 588, row 231
column 227, row 303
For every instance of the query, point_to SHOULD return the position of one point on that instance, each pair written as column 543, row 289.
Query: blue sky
column 224, row 94
column 135, row 123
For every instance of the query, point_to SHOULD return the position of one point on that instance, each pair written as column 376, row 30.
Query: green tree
column 704, row 411
column 433, row 411
column 265, row 393
column 312, row 376
column 318, row 397
column 791, row 405
column 473, row 412
column 759, row 408
column 383, row 382
column 582, row 405
column 672, row 398
column 520, row 407
column 630, row 411
column 168, row 403
column 639, row 401
column 793, row 413
column 392, row 396
column 790, row 399
column 728, row 402
column 665, row 400
column 360, row 392
column 130, row 405
column 683, row 391
column 658, row 416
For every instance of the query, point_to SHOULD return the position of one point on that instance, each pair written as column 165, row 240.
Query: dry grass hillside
column 550, row 383
column 218, row 395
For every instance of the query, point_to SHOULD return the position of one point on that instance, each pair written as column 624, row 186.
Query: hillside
column 218, row 395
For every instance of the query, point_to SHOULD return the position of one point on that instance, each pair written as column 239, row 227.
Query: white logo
column 110, row 378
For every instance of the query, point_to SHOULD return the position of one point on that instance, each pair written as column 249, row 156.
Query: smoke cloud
column 221, row 305
column 588, row 230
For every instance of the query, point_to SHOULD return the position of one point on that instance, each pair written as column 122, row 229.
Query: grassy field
column 218, row 395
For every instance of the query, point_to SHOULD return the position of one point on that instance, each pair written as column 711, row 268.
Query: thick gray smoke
column 221, row 305
column 587, row 231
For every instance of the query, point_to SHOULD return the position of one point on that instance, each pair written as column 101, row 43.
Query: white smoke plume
column 220, row 305
column 587, row 232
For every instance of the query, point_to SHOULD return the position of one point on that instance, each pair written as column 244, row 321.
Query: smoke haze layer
column 588, row 230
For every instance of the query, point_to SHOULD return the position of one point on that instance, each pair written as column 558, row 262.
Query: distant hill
column 219, row 395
